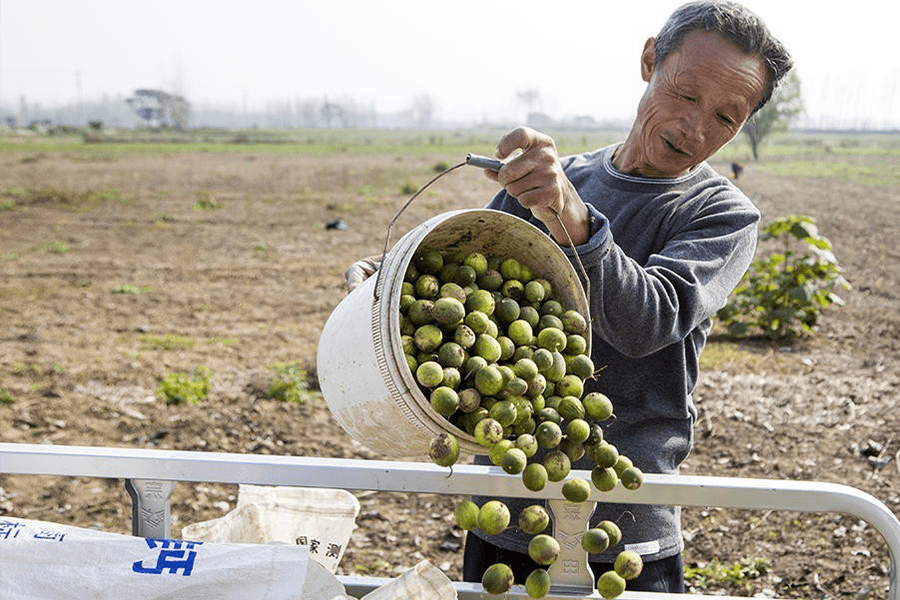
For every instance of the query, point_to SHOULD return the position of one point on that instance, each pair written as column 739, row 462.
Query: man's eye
column 686, row 97
column 726, row 119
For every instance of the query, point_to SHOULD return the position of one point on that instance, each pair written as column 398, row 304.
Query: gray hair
column 735, row 23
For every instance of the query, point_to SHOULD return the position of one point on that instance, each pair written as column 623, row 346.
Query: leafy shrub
column 783, row 294
column 181, row 388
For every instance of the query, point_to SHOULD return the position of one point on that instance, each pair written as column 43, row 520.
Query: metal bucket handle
column 485, row 163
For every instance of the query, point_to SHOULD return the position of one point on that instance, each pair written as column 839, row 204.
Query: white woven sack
column 40, row 560
column 422, row 582
column 322, row 519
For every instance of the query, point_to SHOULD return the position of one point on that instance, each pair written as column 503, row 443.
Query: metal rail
column 149, row 474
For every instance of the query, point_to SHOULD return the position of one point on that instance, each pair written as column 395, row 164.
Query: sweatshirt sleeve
column 640, row 308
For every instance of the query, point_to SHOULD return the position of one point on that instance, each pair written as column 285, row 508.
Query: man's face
column 695, row 102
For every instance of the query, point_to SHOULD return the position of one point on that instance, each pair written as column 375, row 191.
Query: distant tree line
column 154, row 108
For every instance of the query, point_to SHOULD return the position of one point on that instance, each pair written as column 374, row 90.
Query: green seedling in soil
column 289, row 384
column 182, row 388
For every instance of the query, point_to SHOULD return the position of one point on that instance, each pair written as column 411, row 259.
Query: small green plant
column 783, row 294
column 54, row 247
column 738, row 574
column 184, row 388
column 127, row 288
column 408, row 189
column 206, row 201
column 373, row 566
column 169, row 341
column 289, row 383
column 106, row 196
column 161, row 220
column 6, row 397
column 19, row 194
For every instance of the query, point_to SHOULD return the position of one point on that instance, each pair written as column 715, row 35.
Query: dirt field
column 116, row 270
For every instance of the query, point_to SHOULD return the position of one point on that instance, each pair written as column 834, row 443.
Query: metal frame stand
column 150, row 475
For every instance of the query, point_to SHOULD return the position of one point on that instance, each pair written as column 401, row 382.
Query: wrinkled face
column 696, row 101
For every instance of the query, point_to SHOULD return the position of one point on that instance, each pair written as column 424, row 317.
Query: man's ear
column 648, row 58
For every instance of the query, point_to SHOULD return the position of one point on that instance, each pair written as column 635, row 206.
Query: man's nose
column 692, row 125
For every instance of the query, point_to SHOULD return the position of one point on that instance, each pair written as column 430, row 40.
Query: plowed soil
column 118, row 269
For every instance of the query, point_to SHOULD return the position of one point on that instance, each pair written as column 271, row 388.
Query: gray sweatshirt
column 662, row 258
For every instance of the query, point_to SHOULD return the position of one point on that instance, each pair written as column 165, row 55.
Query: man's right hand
column 536, row 179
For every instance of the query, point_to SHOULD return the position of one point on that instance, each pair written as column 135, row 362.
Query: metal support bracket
column 570, row 572
column 149, row 506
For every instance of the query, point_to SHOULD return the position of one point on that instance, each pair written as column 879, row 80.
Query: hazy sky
column 471, row 57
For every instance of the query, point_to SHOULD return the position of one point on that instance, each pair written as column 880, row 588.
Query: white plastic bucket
column 362, row 371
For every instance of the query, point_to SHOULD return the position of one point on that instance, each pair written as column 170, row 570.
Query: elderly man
column 664, row 240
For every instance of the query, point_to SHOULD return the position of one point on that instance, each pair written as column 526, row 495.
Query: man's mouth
column 673, row 147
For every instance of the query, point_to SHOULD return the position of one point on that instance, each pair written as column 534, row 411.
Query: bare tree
column 531, row 98
column 423, row 109
column 179, row 111
column 785, row 106
column 331, row 112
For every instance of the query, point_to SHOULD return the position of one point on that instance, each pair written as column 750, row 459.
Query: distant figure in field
column 736, row 169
